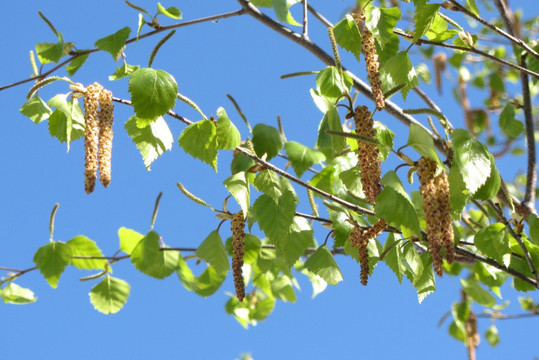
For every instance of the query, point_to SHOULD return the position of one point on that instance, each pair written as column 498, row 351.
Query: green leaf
column 228, row 136
column 331, row 121
column 397, row 210
column 493, row 241
column 36, row 109
column 50, row 52
column 458, row 195
column 238, row 186
column 423, row 19
column 534, row 228
column 281, row 11
column 399, row 70
column 205, row 284
column 76, row 63
column 51, row 260
column 113, row 44
column 82, row 246
column 491, row 186
column 148, row 257
column 275, row 218
column 267, row 140
column 293, row 245
column 481, row 296
column 422, row 142
column 302, row 157
column 331, row 83
column 438, row 30
column 200, row 141
column 15, row 294
column 172, row 12
column 123, row 71
column 241, row 162
column 508, row 124
column 381, row 23
column 472, row 6
column 385, row 139
column 128, row 239
column 152, row 141
column 393, row 256
column 324, row 180
column 66, row 123
column 473, row 159
column 492, row 335
column 153, row 93
column 322, row 263
column 412, row 262
column 110, row 295
column 425, row 283
column 347, row 35
column 213, row 251
column 267, row 182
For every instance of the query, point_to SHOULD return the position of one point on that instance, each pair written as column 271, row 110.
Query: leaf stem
column 155, row 210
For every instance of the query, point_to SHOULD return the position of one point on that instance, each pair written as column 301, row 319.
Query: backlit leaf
column 228, row 136
column 238, row 186
column 114, row 43
column 200, row 141
column 172, row 12
column 267, row 140
column 493, row 241
column 148, row 257
column 82, row 246
column 51, row 260
column 153, row 93
column 322, row 263
column 110, row 295
column 205, row 284
column 152, row 140
column 128, row 239
column 15, row 294
column 399, row 70
column 302, row 157
column 213, row 251
column 347, row 35
column 473, row 159
column 36, row 109
column 472, row 288
column 275, row 218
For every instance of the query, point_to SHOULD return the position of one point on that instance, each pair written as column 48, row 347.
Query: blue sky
column 161, row 319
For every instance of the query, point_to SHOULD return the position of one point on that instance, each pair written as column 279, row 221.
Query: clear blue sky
column 161, row 319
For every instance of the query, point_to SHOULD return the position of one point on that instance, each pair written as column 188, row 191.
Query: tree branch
column 151, row 33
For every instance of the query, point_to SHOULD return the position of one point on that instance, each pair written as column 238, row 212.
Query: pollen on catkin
column 435, row 193
column 91, row 142
column 368, row 160
column 368, row 48
column 359, row 238
column 106, row 116
column 238, row 245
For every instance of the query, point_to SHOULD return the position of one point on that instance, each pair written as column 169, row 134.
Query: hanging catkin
column 106, row 115
column 359, row 238
column 435, row 193
column 238, row 244
column 368, row 160
column 91, row 104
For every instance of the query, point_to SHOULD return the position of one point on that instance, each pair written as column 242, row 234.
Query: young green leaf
column 123, row 71
column 425, row 283
column 422, row 142
column 15, row 294
column 385, row 139
column 275, row 218
column 491, row 186
column 534, row 228
column 331, row 121
column 393, row 256
column 397, row 210
column 493, row 241
column 152, row 140
column 36, row 109
column 200, row 141
column 267, row 182
column 51, row 260
column 82, row 246
column 172, row 12
column 347, row 35
column 228, row 136
column 238, row 186
column 148, row 257
column 458, row 195
column 281, row 11
column 473, row 159
column 398, row 70
column 472, row 288
column 50, row 52
column 110, row 295
column 128, row 239
column 492, row 335
column 322, row 263
column 113, row 44
column 153, row 93
column 66, row 123
column 423, row 19
column 294, row 244
column 213, row 251
column 267, row 140
column 381, row 21
column 331, row 82
column 438, row 30
column 76, row 63
column 302, row 157
column 205, row 284
column 509, row 125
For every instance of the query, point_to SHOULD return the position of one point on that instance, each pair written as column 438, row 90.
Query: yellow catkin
column 359, row 238
column 238, row 245
column 368, row 48
column 91, row 104
column 440, row 60
column 437, row 208
column 106, row 116
column 368, row 160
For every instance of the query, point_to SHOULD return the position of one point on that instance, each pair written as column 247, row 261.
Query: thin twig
column 151, row 33
column 305, row 33
column 430, row 103
column 511, row 38
column 499, row 316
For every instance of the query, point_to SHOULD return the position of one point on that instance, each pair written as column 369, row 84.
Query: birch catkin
column 359, row 238
column 435, row 193
column 106, row 115
column 91, row 142
column 368, row 160
column 238, row 245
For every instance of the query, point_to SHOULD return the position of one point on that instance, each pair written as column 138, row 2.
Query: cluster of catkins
column 238, row 245
column 98, row 116
column 368, row 160
column 435, row 193
column 368, row 48
column 359, row 238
